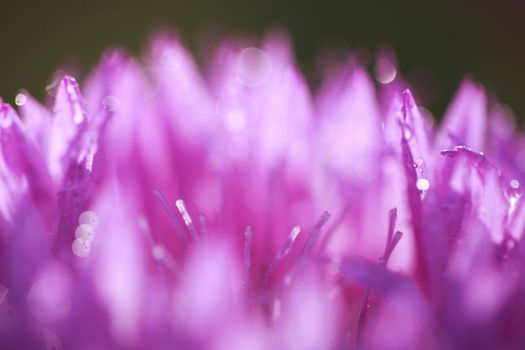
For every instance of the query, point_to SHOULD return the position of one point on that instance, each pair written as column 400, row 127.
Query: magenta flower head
column 160, row 208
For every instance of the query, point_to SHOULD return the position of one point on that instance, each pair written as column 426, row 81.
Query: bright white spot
column 85, row 232
column 80, row 248
column 69, row 88
column 20, row 99
column 253, row 67
column 407, row 133
column 422, row 184
column 158, row 252
column 111, row 103
column 89, row 217
column 78, row 114
column 182, row 209
column 514, row 184
column 513, row 200
column 295, row 231
column 385, row 71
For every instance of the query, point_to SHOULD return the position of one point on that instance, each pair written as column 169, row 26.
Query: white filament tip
column 295, row 232
column 182, row 209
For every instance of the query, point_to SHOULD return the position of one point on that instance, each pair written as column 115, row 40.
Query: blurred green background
column 437, row 42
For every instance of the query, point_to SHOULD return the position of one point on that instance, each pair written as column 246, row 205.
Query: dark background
column 437, row 42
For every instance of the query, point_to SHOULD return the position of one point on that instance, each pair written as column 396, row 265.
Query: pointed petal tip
column 7, row 114
column 114, row 57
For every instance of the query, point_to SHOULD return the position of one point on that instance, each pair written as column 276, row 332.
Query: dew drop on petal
column 385, row 71
column 80, row 248
column 111, row 103
column 85, row 232
column 422, row 184
column 90, row 218
column 515, row 184
column 20, row 99
column 253, row 67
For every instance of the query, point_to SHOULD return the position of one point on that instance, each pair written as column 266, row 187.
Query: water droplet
column 385, row 71
column 80, row 248
column 90, row 218
column 253, row 67
column 20, row 99
column 85, row 232
column 111, row 103
column 422, row 184
column 514, row 184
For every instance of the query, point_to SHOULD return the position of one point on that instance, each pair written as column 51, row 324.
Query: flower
column 161, row 208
